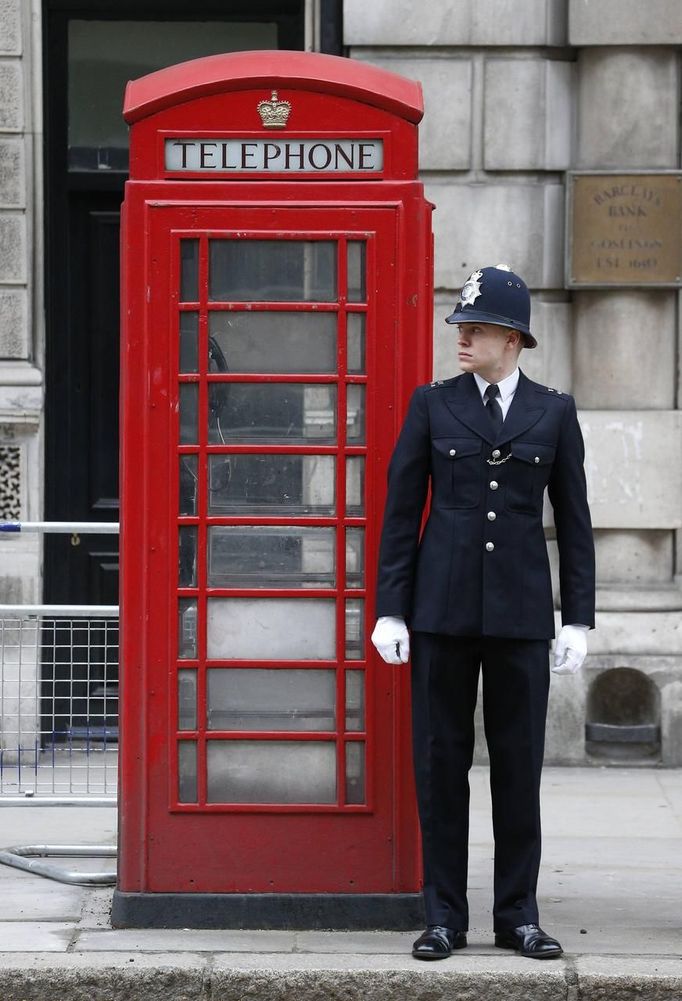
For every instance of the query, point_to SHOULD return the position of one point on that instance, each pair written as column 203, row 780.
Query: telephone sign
column 217, row 156
column 276, row 303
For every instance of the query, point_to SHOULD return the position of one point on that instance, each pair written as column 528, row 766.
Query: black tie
column 493, row 407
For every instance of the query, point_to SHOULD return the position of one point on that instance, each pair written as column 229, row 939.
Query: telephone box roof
column 273, row 68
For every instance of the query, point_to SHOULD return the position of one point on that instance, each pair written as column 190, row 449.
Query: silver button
column 496, row 453
column 537, row 458
column 494, row 484
column 453, row 451
column 491, row 516
column 490, row 546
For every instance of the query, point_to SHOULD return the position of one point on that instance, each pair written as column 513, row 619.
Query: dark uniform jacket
column 481, row 567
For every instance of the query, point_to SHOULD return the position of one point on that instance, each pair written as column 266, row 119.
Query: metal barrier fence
column 59, row 694
column 58, row 704
column 59, row 713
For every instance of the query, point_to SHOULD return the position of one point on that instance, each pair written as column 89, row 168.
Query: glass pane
column 269, row 556
column 104, row 54
column 277, row 413
column 189, row 270
column 272, row 271
column 355, row 628
column 355, row 700
column 189, row 342
column 187, row 556
column 356, row 271
column 187, row 628
column 272, row 771
column 272, row 628
column 355, row 772
column 356, row 343
column 355, row 486
column 355, row 557
column 279, row 341
column 355, row 420
column 187, row 771
column 189, row 411
column 189, row 477
column 272, row 484
column 255, row 699
column 187, row 700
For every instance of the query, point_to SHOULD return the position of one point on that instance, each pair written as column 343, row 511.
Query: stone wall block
column 18, row 400
column 550, row 362
column 11, row 96
column 477, row 225
column 637, row 634
column 10, row 27
column 628, row 114
column 565, row 735
column 12, row 248
column 624, row 22
column 12, row 173
column 671, row 724
column 634, row 468
column 445, row 363
column 528, row 117
column 486, row 22
column 18, row 591
column 625, row 350
column 445, row 130
column 634, row 558
column 14, row 339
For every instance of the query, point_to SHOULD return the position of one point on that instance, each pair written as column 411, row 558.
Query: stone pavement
column 610, row 890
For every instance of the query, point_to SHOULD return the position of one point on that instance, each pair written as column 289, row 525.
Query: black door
column 82, row 366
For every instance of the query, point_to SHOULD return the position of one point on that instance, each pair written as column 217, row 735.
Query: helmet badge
column 472, row 289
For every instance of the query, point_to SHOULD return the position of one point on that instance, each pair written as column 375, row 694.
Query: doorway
column 91, row 49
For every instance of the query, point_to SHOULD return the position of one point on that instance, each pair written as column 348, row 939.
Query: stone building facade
column 516, row 94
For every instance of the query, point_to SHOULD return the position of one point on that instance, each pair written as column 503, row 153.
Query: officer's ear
column 515, row 340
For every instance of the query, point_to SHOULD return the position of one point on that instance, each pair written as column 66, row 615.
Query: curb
column 314, row 977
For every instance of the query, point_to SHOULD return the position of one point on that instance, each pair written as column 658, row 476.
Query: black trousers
column 445, row 671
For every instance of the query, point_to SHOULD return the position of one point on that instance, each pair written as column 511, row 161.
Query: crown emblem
column 274, row 113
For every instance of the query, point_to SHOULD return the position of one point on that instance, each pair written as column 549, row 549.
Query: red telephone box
column 277, row 262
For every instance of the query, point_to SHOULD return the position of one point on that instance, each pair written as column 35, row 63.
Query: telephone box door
column 272, row 337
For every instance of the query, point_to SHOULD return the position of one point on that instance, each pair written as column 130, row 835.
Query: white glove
column 392, row 639
column 570, row 649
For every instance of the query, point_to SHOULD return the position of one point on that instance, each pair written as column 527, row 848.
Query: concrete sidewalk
column 610, row 890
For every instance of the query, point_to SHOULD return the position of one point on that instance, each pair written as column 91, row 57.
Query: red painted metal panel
column 236, row 71
column 217, row 99
column 329, row 848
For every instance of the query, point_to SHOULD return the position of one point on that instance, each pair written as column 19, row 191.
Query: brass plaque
column 625, row 229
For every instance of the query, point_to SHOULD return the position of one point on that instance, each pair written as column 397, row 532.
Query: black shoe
column 437, row 942
column 529, row 940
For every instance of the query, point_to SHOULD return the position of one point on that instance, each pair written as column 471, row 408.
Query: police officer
column 476, row 594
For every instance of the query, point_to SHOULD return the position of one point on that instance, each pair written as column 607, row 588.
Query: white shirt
column 507, row 388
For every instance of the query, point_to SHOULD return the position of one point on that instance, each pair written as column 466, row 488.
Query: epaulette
column 441, row 382
column 550, row 389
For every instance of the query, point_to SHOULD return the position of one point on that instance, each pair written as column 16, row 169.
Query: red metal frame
column 341, row 847
column 340, row 522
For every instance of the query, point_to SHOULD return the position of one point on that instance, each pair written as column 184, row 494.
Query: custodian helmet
column 495, row 295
